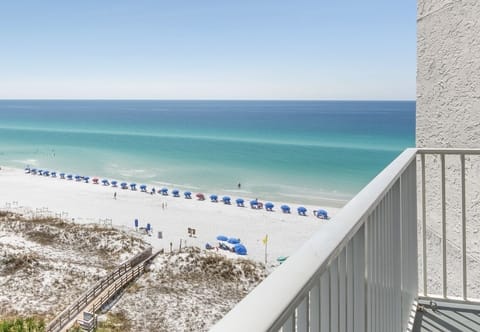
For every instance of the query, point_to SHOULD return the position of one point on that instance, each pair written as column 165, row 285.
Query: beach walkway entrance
column 82, row 311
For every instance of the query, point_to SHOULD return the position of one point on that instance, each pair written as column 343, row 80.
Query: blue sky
column 191, row 49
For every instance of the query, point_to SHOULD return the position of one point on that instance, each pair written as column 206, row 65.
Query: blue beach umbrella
column 114, row 183
column 239, row 201
column 187, row 194
column 40, row 172
column 62, row 175
column 269, row 206
column 214, row 198
column 133, row 186
column 233, row 240
column 164, row 191
column 175, row 193
column 143, row 187
column 302, row 210
column 254, row 203
column 86, row 178
column 285, row 208
column 226, row 199
column 54, row 174
column 46, row 173
column 322, row 214
column 105, row 182
column 222, row 238
column 33, row 171
column 69, row 176
column 240, row 249
column 124, row 185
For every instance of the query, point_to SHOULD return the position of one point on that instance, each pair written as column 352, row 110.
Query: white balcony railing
column 358, row 274
column 449, row 214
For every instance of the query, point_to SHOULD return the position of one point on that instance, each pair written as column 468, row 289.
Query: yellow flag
column 265, row 239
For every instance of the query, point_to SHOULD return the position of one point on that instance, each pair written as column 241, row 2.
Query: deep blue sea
column 311, row 152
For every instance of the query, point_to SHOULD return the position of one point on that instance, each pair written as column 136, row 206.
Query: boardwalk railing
column 359, row 273
column 120, row 276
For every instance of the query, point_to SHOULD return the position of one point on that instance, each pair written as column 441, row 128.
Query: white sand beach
column 91, row 203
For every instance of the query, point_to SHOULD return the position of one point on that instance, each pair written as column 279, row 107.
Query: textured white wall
column 448, row 73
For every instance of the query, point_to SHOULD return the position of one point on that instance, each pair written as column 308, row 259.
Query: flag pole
column 266, row 244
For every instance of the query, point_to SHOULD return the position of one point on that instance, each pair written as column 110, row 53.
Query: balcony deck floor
column 447, row 317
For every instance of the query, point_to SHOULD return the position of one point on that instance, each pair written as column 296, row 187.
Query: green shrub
column 20, row 324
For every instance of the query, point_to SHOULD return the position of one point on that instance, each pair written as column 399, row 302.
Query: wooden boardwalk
column 92, row 300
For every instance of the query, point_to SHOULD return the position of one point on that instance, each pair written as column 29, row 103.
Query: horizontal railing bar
column 286, row 287
column 445, row 151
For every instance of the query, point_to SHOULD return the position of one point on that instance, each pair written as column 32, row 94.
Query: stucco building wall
column 448, row 73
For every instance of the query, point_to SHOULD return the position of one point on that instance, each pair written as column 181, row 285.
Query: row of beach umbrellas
column 240, row 202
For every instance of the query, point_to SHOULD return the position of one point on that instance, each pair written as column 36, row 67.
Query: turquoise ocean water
column 311, row 152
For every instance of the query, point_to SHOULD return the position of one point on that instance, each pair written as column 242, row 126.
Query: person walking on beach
column 239, row 185
column 115, row 195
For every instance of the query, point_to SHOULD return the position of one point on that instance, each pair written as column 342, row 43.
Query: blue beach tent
column 240, row 202
column 214, row 198
column 269, row 206
column 240, row 249
column 285, row 208
column 187, row 194
column 226, row 199
column 302, row 211
column 222, row 238
column 175, row 193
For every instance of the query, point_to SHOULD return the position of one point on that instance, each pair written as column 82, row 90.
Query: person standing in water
column 239, row 185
